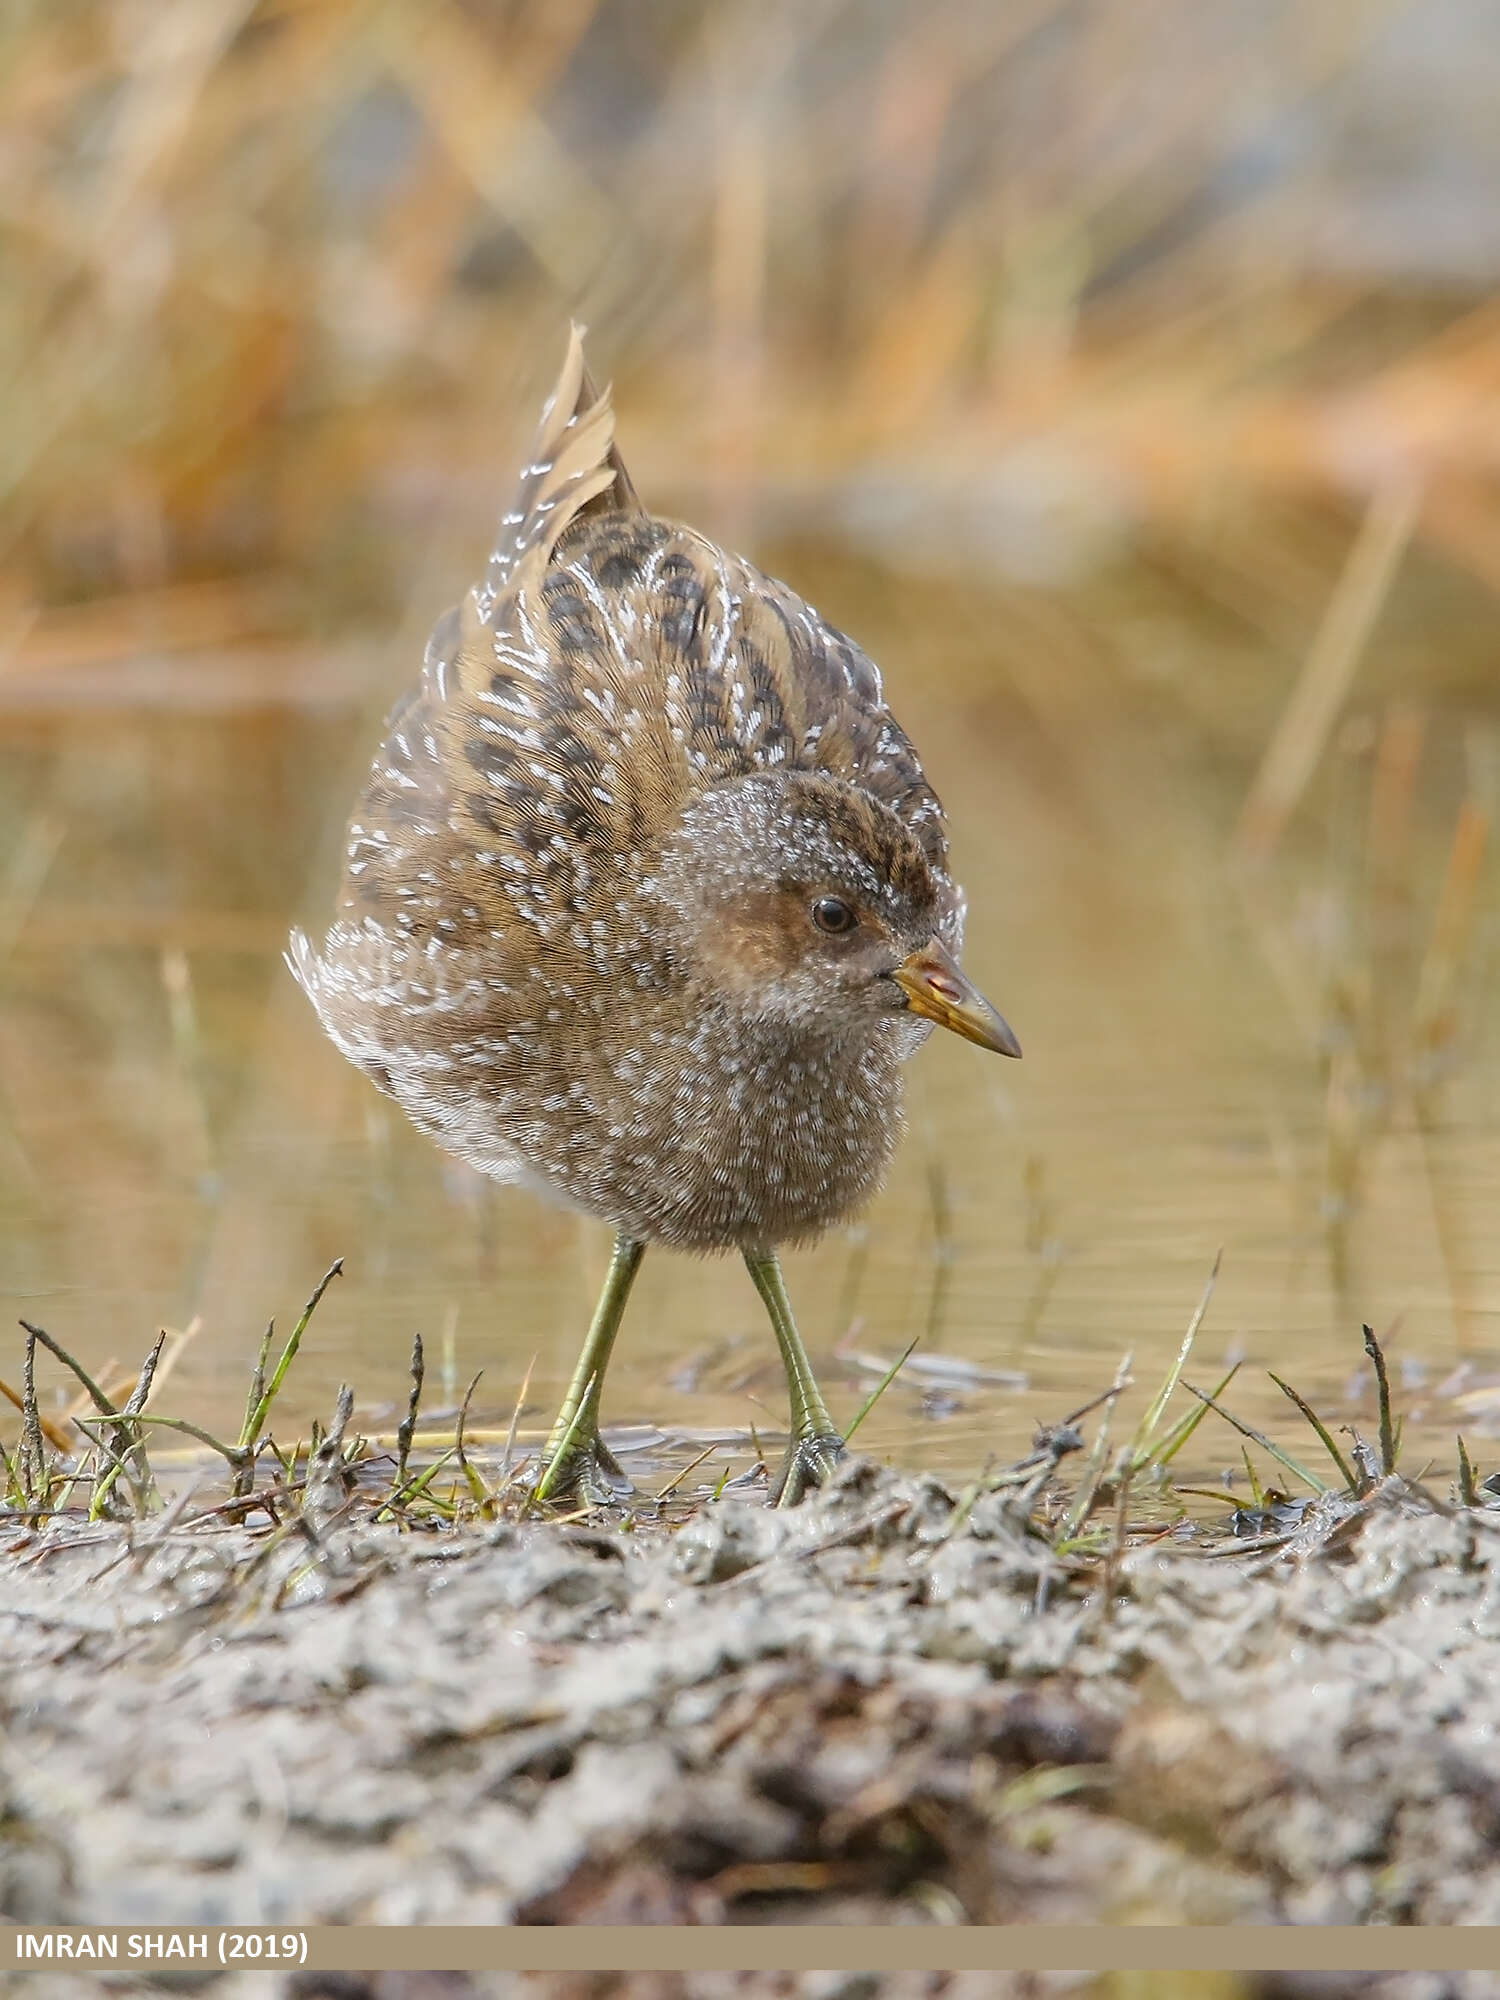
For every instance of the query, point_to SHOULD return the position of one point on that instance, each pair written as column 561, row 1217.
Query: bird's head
column 797, row 898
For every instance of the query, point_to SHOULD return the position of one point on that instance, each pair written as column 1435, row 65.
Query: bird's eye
column 833, row 915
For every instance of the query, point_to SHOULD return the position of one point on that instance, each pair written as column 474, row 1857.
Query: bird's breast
column 721, row 1139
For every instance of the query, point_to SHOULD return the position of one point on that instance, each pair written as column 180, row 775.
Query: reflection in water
column 1295, row 1069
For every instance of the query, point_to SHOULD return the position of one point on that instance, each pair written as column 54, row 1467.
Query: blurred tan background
column 1124, row 374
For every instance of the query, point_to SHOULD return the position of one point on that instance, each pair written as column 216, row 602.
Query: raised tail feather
column 575, row 466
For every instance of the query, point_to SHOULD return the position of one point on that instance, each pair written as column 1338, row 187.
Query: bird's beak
column 935, row 986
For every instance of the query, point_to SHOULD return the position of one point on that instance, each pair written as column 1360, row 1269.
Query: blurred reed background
column 1126, row 374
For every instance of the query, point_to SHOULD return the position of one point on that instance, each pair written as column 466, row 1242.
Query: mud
column 879, row 1708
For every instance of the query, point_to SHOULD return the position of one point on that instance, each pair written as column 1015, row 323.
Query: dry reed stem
column 1451, row 922
column 1313, row 707
column 939, row 282
column 56, row 1436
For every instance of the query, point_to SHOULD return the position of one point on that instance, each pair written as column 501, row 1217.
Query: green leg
column 576, row 1457
column 816, row 1446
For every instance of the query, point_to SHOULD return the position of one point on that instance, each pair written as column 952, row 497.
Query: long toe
column 809, row 1462
column 590, row 1473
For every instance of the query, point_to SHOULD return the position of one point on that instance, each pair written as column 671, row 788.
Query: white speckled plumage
column 564, row 943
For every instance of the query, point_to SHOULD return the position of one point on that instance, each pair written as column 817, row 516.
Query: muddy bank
column 878, row 1708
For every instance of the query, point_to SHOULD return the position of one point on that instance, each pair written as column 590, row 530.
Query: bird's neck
column 810, row 1061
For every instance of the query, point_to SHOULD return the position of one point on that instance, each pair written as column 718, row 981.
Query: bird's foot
column 585, row 1469
column 809, row 1462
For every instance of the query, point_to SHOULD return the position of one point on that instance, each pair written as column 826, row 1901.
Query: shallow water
column 1208, row 1064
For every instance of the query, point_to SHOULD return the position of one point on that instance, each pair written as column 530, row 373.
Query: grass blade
column 1183, row 1429
column 416, row 1488
column 880, row 1388
column 1346, row 1471
column 97, row 1396
column 1139, row 1457
column 32, row 1455
column 1389, row 1446
column 677, row 1477
column 1282, row 1458
column 515, row 1418
column 482, row 1496
column 1468, row 1487
column 288, row 1355
column 257, row 1381
column 1093, row 1472
column 408, row 1423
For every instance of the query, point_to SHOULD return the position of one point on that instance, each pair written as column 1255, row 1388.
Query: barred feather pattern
column 497, row 963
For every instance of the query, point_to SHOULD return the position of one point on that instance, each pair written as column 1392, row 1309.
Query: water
column 1205, row 1069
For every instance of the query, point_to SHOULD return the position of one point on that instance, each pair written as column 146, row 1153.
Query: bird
column 646, row 901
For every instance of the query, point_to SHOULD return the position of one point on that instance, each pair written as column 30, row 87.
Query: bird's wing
column 471, row 768
column 781, row 688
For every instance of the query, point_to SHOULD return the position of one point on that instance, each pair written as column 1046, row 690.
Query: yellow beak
column 935, row 986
